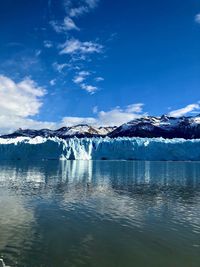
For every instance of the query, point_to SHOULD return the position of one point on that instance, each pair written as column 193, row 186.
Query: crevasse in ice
column 100, row 148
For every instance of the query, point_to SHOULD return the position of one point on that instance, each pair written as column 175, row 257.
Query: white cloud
column 80, row 77
column 20, row 101
column 89, row 88
column 48, row 44
column 74, row 46
column 76, row 49
column 118, row 116
column 23, row 100
column 37, row 53
column 197, row 18
column 137, row 108
column 95, row 109
column 84, row 7
column 183, row 111
column 92, row 3
column 56, row 26
column 84, row 73
column 52, row 82
column 99, row 79
column 113, row 117
column 67, row 25
column 59, row 67
column 70, row 121
column 78, row 11
column 12, row 123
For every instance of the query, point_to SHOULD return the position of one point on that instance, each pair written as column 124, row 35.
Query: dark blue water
column 100, row 214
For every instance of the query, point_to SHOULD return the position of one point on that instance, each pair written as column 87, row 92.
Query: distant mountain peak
column 79, row 130
column 164, row 126
column 149, row 126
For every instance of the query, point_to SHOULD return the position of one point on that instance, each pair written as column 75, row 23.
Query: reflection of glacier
column 74, row 171
column 116, row 173
column 109, row 188
column 133, row 193
column 100, row 148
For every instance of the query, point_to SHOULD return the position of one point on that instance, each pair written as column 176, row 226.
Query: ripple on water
column 100, row 213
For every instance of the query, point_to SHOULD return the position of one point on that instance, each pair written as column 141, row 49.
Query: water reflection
column 70, row 213
column 117, row 172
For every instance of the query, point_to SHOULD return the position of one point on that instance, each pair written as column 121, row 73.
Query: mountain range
column 149, row 126
column 79, row 131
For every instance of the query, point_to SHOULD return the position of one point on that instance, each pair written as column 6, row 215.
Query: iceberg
column 121, row 148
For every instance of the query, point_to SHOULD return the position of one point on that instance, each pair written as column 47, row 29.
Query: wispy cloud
column 185, row 110
column 78, row 51
column 95, row 109
column 56, row 26
column 67, row 25
column 134, row 108
column 48, row 44
column 99, row 79
column 197, row 18
column 75, row 46
column 38, row 52
column 70, row 24
column 22, row 63
column 80, row 77
column 92, row 3
column 83, row 7
column 89, row 88
column 59, row 67
column 78, row 11
column 52, row 82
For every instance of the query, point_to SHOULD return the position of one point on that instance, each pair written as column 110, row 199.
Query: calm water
column 100, row 214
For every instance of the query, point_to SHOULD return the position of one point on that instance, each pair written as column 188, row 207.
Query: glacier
column 121, row 148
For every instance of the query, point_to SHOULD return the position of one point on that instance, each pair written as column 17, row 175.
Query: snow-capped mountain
column 81, row 130
column 149, row 126
column 164, row 126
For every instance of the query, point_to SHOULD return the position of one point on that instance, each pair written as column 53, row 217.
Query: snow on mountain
column 81, row 130
column 164, row 126
column 125, row 148
column 149, row 126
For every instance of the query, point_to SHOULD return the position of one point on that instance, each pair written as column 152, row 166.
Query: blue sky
column 99, row 62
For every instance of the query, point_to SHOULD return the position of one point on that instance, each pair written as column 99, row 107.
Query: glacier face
column 99, row 148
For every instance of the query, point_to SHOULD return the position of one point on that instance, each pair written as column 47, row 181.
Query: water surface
column 100, row 214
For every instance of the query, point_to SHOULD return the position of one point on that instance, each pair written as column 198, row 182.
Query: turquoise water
column 100, row 214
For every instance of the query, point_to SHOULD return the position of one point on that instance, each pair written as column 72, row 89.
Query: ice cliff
column 99, row 148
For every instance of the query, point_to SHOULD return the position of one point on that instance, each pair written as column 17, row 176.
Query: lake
column 100, row 214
